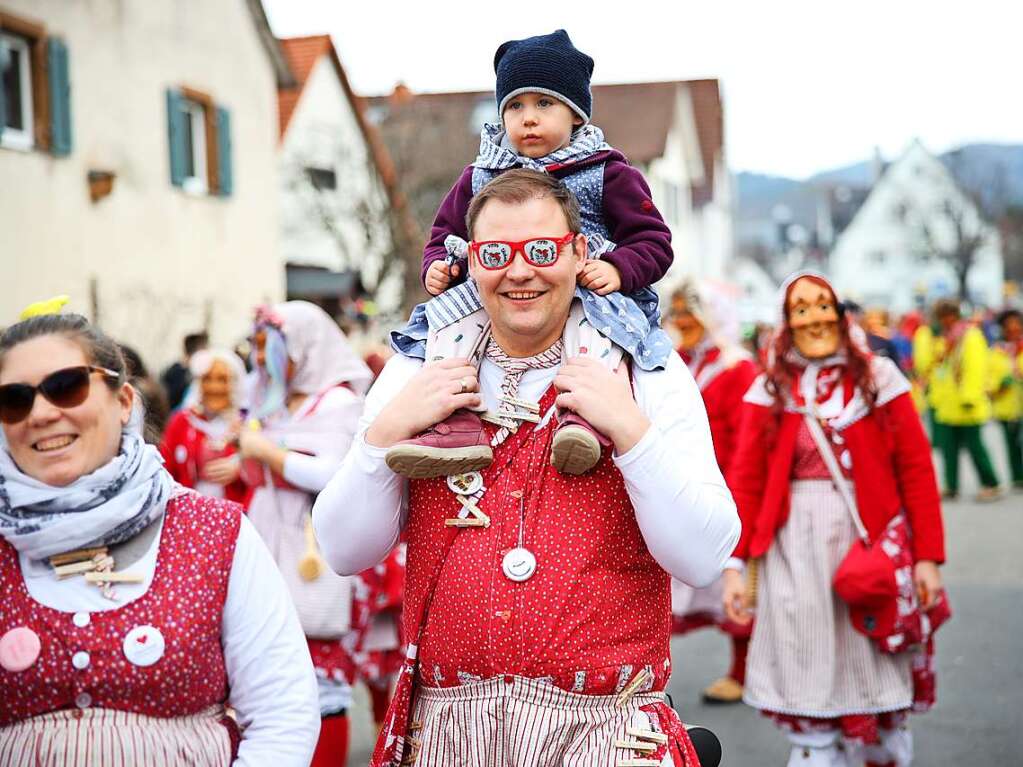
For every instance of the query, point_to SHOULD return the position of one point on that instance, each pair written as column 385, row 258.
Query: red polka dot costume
column 595, row 613
column 90, row 660
column 597, row 608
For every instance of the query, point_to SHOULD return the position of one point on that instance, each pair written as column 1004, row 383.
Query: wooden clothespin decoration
column 650, row 735
column 499, row 419
column 644, row 747
column 522, row 404
column 638, row 762
column 80, row 555
column 471, row 515
column 632, row 687
column 112, row 577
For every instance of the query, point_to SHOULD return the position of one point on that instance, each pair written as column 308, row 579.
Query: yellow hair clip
column 49, row 306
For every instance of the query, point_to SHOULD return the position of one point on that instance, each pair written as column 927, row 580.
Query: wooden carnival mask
column 813, row 318
column 690, row 329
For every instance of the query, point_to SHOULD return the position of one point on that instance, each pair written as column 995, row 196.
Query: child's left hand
column 602, row 277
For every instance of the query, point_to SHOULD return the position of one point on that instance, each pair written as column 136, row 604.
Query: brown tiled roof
column 430, row 135
column 302, row 53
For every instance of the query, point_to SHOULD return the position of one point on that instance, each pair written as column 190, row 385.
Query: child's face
column 538, row 124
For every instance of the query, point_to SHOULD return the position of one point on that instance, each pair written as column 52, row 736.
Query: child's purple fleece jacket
column 643, row 241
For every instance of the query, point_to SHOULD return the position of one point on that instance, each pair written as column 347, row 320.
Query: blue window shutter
column 3, row 106
column 176, row 136
column 224, row 167
column 60, row 97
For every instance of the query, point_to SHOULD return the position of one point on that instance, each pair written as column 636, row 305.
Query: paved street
column 980, row 681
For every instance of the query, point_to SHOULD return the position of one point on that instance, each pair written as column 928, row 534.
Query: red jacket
column 722, row 396
column 184, row 449
column 891, row 470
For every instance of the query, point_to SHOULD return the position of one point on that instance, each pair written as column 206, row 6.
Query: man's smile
column 522, row 295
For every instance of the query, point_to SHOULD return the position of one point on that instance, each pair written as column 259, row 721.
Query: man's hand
column 439, row 276
column 430, row 396
column 735, row 598
column 928, row 582
column 604, row 399
column 602, row 277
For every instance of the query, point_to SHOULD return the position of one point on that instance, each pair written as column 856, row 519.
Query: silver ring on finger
column 466, row 384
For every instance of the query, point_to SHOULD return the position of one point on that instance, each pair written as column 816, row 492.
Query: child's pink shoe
column 456, row 445
column 577, row 445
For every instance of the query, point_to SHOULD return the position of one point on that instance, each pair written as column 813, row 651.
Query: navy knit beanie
column 544, row 64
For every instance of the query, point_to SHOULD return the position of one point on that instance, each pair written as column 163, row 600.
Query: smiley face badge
column 144, row 646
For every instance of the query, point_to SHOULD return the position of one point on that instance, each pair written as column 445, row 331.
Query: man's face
column 528, row 305
column 813, row 318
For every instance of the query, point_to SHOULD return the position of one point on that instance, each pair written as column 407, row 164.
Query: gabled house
column 913, row 237
column 344, row 223
column 672, row 131
column 138, row 165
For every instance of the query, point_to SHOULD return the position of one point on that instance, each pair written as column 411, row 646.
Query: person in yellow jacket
column 928, row 348
column 1006, row 377
column 959, row 396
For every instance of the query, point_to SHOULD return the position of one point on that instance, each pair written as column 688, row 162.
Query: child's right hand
column 438, row 277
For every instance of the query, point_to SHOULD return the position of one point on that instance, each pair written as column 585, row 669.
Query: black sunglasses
column 65, row 388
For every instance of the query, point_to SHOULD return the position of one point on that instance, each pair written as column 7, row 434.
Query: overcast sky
column 807, row 85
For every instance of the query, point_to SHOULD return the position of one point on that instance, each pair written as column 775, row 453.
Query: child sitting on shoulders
column 543, row 95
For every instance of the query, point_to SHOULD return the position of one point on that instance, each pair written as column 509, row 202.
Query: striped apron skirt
column 805, row 657
column 96, row 736
column 520, row 722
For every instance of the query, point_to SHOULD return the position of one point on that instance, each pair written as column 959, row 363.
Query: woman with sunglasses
column 307, row 400
column 132, row 610
column 199, row 446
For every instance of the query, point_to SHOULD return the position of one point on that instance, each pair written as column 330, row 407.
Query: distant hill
column 994, row 172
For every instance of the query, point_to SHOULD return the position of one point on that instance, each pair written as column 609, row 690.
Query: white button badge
column 144, row 645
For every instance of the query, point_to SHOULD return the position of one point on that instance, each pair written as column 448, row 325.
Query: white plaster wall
column 702, row 238
column 323, row 132
column 923, row 182
column 164, row 261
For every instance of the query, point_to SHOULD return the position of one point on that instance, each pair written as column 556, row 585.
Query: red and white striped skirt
column 97, row 736
column 805, row 657
column 520, row 722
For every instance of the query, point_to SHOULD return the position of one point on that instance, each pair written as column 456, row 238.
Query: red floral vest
column 83, row 659
column 594, row 614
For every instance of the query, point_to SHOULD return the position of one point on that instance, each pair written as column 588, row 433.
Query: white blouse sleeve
column 359, row 515
column 270, row 673
column 683, row 506
column 338, row 412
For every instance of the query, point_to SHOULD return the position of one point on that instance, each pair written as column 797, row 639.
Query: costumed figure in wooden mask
column 833, row 478
column 704, row 319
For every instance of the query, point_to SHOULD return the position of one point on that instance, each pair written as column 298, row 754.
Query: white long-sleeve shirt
column 269, row 671
column 683, row 507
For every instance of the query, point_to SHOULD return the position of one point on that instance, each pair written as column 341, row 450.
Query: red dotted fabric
column 185, row 603
column 596, row 611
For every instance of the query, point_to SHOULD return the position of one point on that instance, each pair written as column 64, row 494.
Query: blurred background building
column 139, row 162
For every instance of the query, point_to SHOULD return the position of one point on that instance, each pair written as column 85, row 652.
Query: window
column 322, row 178
column 35, row 89
column 17, row 98
column 671, row 202
column 199, row 138
column 196, row 170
